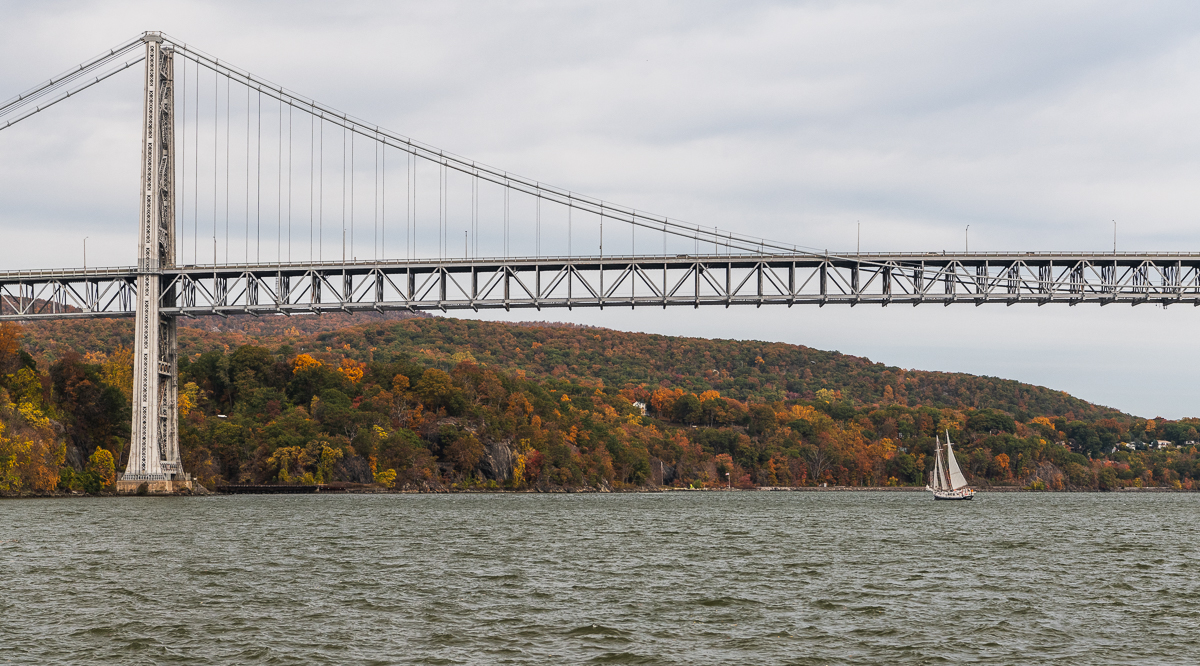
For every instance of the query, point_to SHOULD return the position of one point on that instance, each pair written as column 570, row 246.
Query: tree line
column 414, row 405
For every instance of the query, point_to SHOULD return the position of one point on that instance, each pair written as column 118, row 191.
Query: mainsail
column 957, row 480
column 939, row 479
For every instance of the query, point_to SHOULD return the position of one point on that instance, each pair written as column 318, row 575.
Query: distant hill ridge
column 745, row 370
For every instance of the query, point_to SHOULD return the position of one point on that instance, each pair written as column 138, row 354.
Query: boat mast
column 957, row 480
column 939, row 480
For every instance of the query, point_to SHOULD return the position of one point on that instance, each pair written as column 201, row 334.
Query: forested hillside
column 435, row 403
column 755, row 371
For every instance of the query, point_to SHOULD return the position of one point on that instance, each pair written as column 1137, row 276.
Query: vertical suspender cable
column 475, row 216
column 279, row 190
column 289, row 207
column 343, row 194
column 246, row 241
column 383, row 201
column 321, row 193
column 441, row 174
column 416, row 220
column 375, row 201
column 258, row 191
column 446, row 210
column 352, row 165
column 442, row 249
column 312, row 154
column 216, row 152
column 181, row 225
column 196, row 178
column 228, row 134
column 408, row 206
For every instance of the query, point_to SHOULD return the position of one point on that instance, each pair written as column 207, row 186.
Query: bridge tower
column 154, row 449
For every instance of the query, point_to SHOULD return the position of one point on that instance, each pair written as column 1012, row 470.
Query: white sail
column 957, row 480
column 939, row 479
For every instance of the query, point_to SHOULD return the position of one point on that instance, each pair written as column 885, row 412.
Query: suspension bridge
column 256, row 200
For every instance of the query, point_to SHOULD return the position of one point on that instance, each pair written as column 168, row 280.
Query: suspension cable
column 71, row 74
column 18, row 105
column 356, row 126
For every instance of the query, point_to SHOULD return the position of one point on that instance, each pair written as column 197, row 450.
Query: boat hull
column 954, row 495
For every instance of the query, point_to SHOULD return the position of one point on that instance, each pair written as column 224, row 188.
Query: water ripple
column 705, row 578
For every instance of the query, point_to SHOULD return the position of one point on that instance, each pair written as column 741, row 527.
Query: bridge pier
column 154, row 450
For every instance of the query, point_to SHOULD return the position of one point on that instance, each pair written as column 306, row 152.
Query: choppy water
column 713, row 578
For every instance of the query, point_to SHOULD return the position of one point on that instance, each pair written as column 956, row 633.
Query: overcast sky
column 1038, row 124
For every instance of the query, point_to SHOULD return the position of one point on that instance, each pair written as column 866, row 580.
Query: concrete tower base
column 158, row 486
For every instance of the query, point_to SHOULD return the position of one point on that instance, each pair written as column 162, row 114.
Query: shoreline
column 572, row 491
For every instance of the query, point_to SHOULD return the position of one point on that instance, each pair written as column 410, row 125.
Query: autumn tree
column 117, row 371
column 10, row 347
column 102, row 465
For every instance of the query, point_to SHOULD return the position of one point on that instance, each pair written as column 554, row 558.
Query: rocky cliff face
column 498, row 461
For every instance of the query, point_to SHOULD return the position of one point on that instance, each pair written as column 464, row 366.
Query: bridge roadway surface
column 637, row 281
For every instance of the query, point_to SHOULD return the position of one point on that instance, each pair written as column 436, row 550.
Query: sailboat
column 954, row 487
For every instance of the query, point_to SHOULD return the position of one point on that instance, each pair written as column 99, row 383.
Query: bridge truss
column 570, row 282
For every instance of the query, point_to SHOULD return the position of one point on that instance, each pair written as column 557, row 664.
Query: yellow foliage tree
column 25, row 386
column 101, row 464
column 29, row 457
column 352, row 370
column 329, row 458
column 304, row 362
column 386, row 478
column 518, row 473
column 117, row 371
column 288, row 459
column 189, row 398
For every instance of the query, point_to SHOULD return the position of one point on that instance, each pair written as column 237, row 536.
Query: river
column 671, row 578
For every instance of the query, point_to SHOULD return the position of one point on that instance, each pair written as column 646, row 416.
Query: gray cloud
column 1035, row 123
